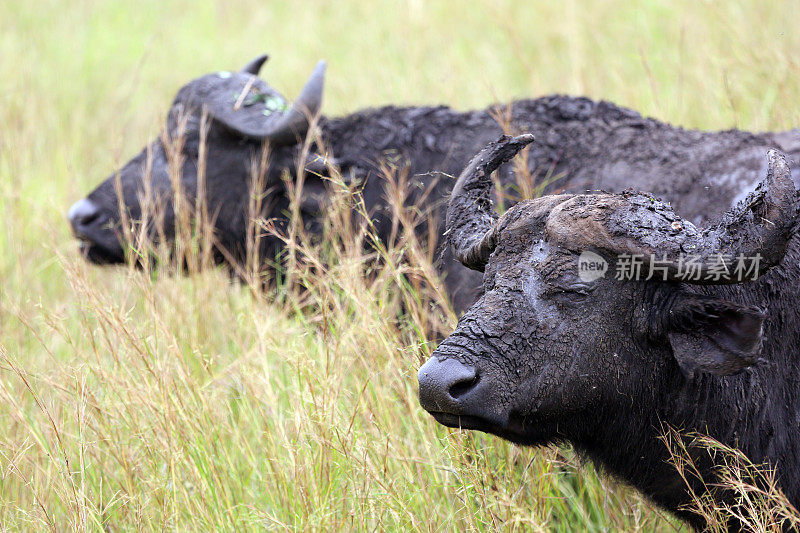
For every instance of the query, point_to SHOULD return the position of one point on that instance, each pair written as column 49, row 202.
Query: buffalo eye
column 574, row 291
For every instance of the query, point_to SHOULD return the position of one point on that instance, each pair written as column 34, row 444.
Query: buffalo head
column 223, row 131
column 551, row 352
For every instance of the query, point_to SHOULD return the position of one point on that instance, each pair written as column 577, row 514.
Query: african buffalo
column 585, row 144
column 703, row 337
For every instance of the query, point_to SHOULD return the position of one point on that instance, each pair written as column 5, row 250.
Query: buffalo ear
column 315, row 196
column 713, row 335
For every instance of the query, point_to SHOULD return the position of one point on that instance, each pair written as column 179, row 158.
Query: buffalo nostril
column 443, row 382
column 460, row 388
column 83, row 213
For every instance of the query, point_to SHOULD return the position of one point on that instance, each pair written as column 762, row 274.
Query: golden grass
column 756, row 502
column 133, row 400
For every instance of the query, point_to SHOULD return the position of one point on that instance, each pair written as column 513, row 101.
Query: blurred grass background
column 186, row 403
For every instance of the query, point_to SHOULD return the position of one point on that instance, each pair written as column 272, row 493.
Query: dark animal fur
column 543, row 356
column 590, row 145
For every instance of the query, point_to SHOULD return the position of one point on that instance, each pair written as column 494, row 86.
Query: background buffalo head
column 228, row 142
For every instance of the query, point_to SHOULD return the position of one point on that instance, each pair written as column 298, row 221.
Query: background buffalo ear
column 712, row 335
column 315, row 196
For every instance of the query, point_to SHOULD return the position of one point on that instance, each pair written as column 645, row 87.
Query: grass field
column 129, row 402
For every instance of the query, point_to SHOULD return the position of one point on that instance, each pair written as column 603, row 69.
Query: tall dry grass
column 139, row 399
column 738, row 494
column 194, row 402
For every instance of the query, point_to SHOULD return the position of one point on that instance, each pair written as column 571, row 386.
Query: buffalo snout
column 94, row 229
column 83, row 215
column 444, row 384
column 456, row 395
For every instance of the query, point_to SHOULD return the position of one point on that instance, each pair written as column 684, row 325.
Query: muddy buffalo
column 702, row 336
column 582, row 145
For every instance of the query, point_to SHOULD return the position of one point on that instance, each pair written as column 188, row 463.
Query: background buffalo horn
column 254, row 66
column 294, row 123
column 470, row 214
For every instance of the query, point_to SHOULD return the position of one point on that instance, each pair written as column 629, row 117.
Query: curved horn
column 293, row 125
column 254, row 66
column 760, row 226
column 470, row 214
column 751, row 238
